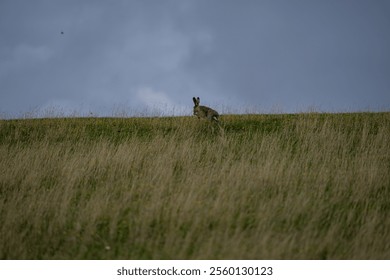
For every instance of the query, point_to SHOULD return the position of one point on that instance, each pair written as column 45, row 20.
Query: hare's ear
column 194, row 99
column 198, row 100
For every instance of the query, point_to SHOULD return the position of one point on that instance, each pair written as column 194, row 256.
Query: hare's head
column 204, row 112
column 196, row 104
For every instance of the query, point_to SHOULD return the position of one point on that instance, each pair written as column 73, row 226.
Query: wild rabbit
column 204, row 112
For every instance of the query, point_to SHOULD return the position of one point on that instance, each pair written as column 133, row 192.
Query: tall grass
column 304, row 186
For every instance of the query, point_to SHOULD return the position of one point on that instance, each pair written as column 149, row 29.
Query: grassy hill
column 302, row 186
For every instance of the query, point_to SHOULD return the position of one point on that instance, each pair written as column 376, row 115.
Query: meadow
column 297, row 186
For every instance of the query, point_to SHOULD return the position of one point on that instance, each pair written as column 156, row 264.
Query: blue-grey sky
column 238, row 56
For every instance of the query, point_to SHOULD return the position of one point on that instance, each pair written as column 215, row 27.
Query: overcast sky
column 107, row 57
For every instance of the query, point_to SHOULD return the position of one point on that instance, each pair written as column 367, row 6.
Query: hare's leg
column 210, row 116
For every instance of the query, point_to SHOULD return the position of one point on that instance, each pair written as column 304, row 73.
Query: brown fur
column 203, row 112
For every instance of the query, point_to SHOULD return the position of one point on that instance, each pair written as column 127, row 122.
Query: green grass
column 299, row 186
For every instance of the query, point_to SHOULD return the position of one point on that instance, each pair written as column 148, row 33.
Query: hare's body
column 203, row 112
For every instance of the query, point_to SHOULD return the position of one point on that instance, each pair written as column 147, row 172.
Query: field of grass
column 301, row 186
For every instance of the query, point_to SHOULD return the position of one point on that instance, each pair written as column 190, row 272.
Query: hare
column 204, row 112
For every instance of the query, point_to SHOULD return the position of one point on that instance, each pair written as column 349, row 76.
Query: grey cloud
column 288, row 54
column 315, row 52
